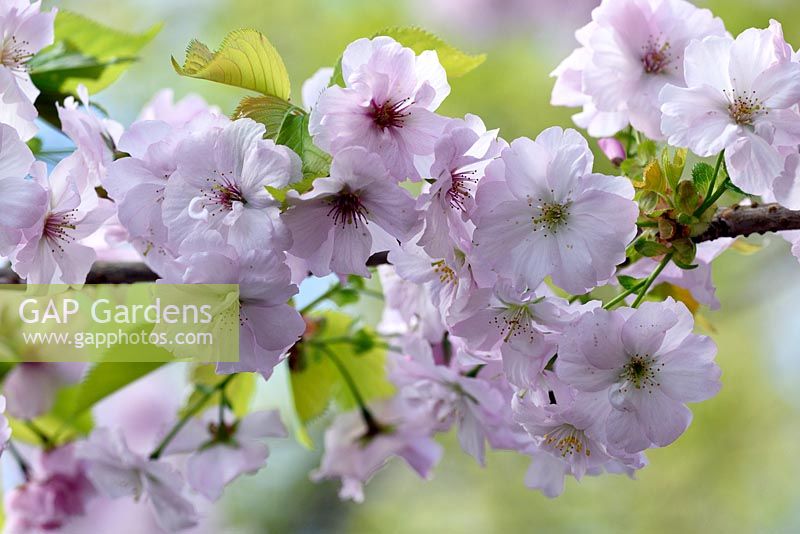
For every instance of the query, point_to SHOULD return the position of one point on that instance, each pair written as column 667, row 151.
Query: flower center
column 743, row 109
column 655, row 56
column 566, row 440
column 641, row 371
column 346, row 208
column 56, row 229
column 513, row 322
column 459, row 191
column 388, row 114
column 446, row 274
column 552, row 216
column 14, row 54
column 221, row 194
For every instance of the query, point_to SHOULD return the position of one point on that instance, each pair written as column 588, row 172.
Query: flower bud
column 613, row 150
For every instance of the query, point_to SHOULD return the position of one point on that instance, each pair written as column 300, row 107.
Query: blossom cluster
column 497, row 252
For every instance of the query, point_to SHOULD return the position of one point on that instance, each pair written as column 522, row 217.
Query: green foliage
column 687, row 198
column 629, row 282
column 106, row 378
column 315, row 379
column 238, row 393
column 455, row 62
column 673, row 167
column 85, row 52
column 702, row 173
column 270, row 111
column 61, row 424
column 650, row 248
column 294, row 134
column 245, row 59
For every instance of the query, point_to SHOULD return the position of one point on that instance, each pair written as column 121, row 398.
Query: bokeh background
column 735, row 470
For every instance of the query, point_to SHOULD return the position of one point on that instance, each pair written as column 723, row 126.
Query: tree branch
column 746, row 220
column 728, row 222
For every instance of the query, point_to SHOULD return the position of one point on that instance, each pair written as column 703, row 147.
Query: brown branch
column 728, row 222
column 746, row 220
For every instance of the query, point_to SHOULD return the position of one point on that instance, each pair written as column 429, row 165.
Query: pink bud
column 613, row 150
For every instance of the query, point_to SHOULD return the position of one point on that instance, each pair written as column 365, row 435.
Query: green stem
column 47, row 442
column 325, row 296
column 619, row 298
column 191, row 411
column 651, row 279
column 630, row 142
column 23, row 465
column 712, row 196
column 373, row 427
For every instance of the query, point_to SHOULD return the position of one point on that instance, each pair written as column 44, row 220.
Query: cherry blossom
column 354, row 451
column 386, row 106
column 631, row 49
column 648, row 363
column 541, row 211
column 460, row 158
column 268, row 325
column 24, row 30
column 5, row 429
column 347, row 216
column 221, row 451
column 117, row 472
column 30, row 387
column 57, row 492
column 739, row 98
column 52, row 251
column 220, row 183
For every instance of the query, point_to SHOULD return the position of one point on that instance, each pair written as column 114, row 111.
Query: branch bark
column 728, row 222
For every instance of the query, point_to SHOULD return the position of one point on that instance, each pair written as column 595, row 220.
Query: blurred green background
column 735, row 469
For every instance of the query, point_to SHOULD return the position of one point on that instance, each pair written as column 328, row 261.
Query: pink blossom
column 649, row 365
column 223, row 451
column 386, row 106
column 24, row 30
column 117, row 472
column 541, row 211
column 740, row 97
column 30, row 388
column 449, row 397
column 52, row 251
column 220, row 184
column 137, row 183
column 408, row 307
column 95, row 138
column 22, row 202
column 358, row 210
column 524, row 326
column 162, row 107
column 57, row 492
column 268, row 325
column 460, row 158
column 354, row 452
column 786, row 187
column 631, row 49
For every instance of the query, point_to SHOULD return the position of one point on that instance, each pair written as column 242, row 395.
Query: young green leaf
column 315, row 379
column 294, row 134
column 454, row 61
column 701, row 176
column 245, row 59
column 106, row 378
column 650, row 248
column 268, row 110
column 629, row 282
column 85, row 52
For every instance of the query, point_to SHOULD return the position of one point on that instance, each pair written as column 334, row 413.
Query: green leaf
column 315, row 379
column 85, row 52
column 701, row 176
column 61, row 424
column 106, row 378
column 687, row 199
column 650, row 248
column 729, row 185
column 238, row 392
column 245, row 59
column 268, row 110
column 683, row 253
column 337, row 78
column 345, row 296
column 454, row 61
column 673, row 168
column 629, row 282
column 294, row 134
